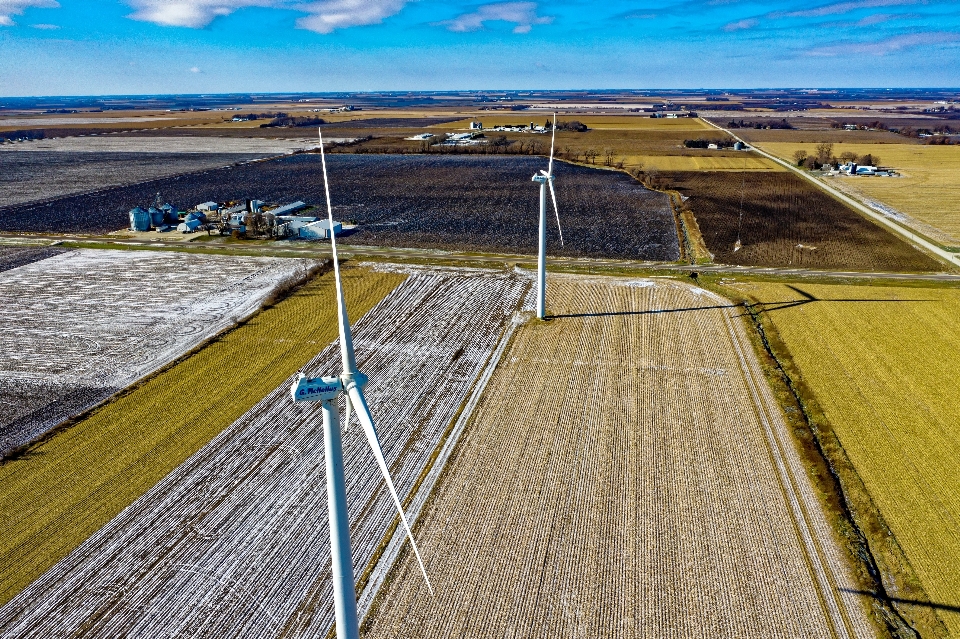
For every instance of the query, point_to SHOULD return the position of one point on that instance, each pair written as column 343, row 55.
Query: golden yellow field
column 639, row 122
column 637, row 141
column 65, row 488
column 882, row 363
column 618, row 479
column 704, row 163
column 928, row 191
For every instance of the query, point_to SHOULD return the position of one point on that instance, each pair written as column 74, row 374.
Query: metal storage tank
column 156, row 217
column 139, row 219
column 170, row 213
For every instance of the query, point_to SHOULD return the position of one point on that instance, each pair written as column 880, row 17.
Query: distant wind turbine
column 545, row 178
column 326, row 390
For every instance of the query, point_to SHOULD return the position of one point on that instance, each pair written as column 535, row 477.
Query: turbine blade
column 346, row 418
column 346, row 339
column 553, row 136
column 366, row 421
column 553, row 196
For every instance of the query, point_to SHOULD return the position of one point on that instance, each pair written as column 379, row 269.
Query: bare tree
column 800, row 156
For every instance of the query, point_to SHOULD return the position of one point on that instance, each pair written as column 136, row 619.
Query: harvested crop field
column 43, row 176
column 79, row 326
column 69, row 485
column 881, row 363
column 234, row 542
column 433, row 201
column 178, row 142
column 15, row 256
column 928, row 189
column 788, row 222
column 389, row 123
column 627, row 473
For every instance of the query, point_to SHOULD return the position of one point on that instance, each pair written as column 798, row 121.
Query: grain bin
column 156, row 217
column 139, row 219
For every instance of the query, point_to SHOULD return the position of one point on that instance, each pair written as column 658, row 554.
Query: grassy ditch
column 61, row 490
column 885, row 575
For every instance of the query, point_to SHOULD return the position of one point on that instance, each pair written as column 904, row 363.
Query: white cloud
column 195, row 70
column 323, row 16
column 887, row 46
column 46, row 27
column 845, row 7
column 740, row 25
column 522, row 14
column 189, row 13
column 329, row 15
column 10, row 8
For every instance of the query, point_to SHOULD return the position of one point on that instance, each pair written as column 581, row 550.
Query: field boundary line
column 834, row 607
column 950, row 258
column 416, row 504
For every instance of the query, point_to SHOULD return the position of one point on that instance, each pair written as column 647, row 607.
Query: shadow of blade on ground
column 911, row 602
column 808, row 298
column 651, row 312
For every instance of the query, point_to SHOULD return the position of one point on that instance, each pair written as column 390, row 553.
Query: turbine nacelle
column 319, row 389
column 315, row 389
column 542, row 178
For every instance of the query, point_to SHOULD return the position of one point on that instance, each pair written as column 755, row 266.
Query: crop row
column 881, row 363
column 616, row 481
column 235, row 542
column 32, row 176
column 80, row 325
column 451, row 202
column 781, row 220
column 13, row 257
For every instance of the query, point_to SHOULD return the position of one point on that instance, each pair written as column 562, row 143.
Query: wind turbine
column 545, row 178
column 326, row 390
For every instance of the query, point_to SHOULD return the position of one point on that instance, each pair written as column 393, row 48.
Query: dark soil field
column 14, row 256
column 787, row 222
column 389, row 123
column 43, row 175
column 481, row 203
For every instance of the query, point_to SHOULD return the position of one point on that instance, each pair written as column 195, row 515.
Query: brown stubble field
column 626, row 474
column 789, row 222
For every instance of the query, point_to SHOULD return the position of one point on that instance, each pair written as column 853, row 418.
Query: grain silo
column 139, row 219
column 156, row 217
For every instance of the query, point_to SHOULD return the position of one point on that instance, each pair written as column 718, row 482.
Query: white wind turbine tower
column 326, row 390
column 545, row 178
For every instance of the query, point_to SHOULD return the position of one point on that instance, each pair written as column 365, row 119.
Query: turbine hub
column 357, row 379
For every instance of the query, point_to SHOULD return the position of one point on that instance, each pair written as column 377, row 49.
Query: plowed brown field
column 626, row 474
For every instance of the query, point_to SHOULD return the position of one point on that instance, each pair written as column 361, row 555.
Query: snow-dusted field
column 235, row 542
column 77, row 327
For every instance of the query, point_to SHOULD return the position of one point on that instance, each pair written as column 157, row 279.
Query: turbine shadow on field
column 911, row 602
column 808, row 298
column 652, row 312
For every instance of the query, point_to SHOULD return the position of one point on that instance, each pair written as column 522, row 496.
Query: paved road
column 378, row 252
column 930, row 247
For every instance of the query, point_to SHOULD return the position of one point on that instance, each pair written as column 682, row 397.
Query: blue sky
column 87, row 47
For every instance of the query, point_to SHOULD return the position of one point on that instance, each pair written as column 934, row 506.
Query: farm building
column 319, row 230
column 288, row 209
column 296, row 222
